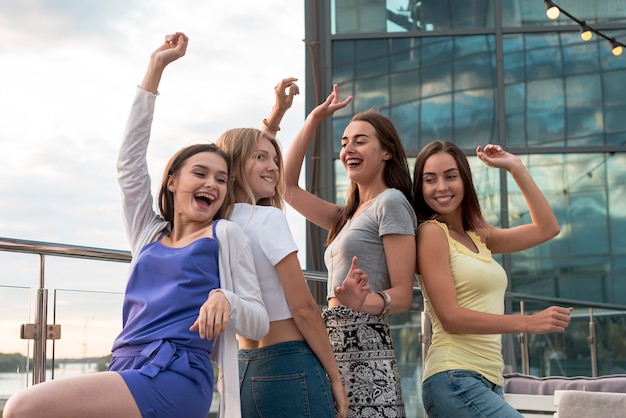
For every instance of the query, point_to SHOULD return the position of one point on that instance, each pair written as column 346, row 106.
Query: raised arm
column 544, row 225
column 434, row 262
column 284, row 91
column 174, row 47
column 316, row 210
column 132, row 167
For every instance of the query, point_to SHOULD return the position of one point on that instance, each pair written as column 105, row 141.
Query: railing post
column 522, row 338
column 41, row 319
column 592, row 344
column 425, row 336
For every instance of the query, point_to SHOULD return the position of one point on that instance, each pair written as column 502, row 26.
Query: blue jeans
column 464, row 394
column 284, row 380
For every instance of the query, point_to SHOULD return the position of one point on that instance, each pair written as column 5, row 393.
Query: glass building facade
column 492, row 71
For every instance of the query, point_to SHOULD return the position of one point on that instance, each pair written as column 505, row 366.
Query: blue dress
column 163, row 363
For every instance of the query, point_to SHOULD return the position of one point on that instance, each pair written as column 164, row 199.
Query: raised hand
column 330, row 105
column 495, row 156
column 213, row 316
column 354, row 289
column 174, row 46
column 285, row 90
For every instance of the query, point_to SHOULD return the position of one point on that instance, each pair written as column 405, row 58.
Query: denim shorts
column 284, row 380
column 464, row 394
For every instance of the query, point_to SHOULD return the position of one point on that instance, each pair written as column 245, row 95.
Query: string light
column 585, row 33
column 553, row 11
column 616, row 48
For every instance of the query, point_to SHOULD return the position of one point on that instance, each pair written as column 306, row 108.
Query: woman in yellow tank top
column 464, row 286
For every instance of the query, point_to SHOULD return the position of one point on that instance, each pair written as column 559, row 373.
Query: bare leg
column 93, row 395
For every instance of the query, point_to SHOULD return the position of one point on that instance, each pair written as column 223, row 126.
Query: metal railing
column 40, row 331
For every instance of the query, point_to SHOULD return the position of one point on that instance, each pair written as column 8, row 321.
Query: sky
column 68, row 74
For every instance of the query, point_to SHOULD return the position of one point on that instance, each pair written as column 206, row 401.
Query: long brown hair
column 242, row 144
column 396, row 173
column 470, row 206
column 172, row 170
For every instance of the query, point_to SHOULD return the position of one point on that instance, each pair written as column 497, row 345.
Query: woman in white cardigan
column 192, row 286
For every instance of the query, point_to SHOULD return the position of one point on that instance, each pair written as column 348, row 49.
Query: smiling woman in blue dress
column 192, row 287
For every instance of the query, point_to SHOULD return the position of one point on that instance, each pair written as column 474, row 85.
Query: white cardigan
column 238, row 279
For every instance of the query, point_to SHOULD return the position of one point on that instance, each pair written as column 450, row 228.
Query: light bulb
column 616, row 48
column 617, row 51
column 585, row 32
column 553, row 12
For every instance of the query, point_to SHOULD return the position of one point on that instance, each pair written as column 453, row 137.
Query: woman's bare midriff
column 280, row 332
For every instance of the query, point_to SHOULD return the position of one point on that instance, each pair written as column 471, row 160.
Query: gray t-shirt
column 362, row 235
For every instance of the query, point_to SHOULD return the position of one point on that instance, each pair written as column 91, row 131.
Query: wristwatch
column 387, row 300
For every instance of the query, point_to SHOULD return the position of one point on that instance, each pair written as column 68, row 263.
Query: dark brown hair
column 172, row 170
column 470, row 206
column 396, row 173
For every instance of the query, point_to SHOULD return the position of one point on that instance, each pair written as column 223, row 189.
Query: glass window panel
column 475, row 118
column 341, row 182
column 616, row 172
column 619, row 284
column 436, row 80
column 515, row 117
column 543, row 57
column 405, row 54
column 487, row 184
column 474, row 66
column 437, row 50
column 436, row 114
column 517, row 13
column 343, row 53
column 405, row 87
column 371, row 93
column 608, row 61
column 433, row 15
column 406, row 120
column 545, row 113
column 578, row 54
column 372, row 67
column 338, row 126
column 15, row 309
column 583, row 107
column 359, row 16
column 614, row 102
column 514, row 63
column 90, row 322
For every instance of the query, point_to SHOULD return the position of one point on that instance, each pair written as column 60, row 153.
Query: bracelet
column 273, row 128
column 387, row 300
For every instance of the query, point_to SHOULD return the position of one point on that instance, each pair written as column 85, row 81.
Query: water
column 12, row 382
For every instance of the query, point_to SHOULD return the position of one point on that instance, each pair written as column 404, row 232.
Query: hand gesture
column 213, row 317
column 495, row 156
column 331, row 105
column 285, row 90
column 174, row 46
column 354, row 289
column 552, row 319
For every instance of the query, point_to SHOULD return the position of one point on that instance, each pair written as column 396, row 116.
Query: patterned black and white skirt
column 364, row 353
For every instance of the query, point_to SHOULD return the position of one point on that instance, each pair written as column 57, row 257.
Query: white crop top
column 271, row 241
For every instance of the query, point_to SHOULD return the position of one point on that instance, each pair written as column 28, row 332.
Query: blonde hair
column 242, row 144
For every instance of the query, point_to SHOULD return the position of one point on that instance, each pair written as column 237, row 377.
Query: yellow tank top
column 480, row 285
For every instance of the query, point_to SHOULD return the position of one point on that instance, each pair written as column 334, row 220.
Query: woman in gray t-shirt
column 374, row 230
